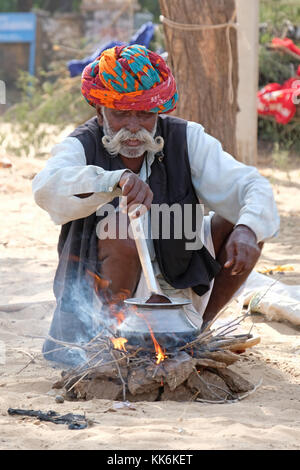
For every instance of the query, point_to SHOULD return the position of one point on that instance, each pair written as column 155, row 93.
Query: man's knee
column 118, row 249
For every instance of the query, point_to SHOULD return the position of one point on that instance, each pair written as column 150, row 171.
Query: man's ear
column 99, row 114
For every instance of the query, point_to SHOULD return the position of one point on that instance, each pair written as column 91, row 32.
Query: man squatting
column 132, row 149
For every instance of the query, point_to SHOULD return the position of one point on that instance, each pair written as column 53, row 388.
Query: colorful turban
column 130, row 78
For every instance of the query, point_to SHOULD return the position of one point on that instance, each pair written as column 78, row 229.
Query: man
column 130, row 150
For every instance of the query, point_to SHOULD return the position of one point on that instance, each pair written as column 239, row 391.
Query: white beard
column 114, row 141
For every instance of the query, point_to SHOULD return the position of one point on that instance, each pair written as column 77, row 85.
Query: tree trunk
column 200, row 63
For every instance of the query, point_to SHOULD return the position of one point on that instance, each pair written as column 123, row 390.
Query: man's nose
column 133, row 124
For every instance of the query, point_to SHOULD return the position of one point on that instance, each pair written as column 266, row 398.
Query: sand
column 267, row 419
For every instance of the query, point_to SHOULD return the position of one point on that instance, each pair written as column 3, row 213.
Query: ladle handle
column 142, row 248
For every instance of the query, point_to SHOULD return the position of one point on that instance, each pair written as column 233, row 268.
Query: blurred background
column 45, row 44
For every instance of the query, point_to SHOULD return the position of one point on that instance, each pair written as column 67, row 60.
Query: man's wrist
column 243, row 227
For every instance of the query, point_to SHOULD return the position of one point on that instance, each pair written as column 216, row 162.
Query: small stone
column 59, row 399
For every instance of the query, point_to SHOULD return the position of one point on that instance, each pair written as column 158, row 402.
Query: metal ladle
column 142, row 248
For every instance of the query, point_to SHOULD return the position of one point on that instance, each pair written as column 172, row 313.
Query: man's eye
column 144, row 114
column 121, row 113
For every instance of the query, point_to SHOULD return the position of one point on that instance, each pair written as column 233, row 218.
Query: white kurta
column 235, row 191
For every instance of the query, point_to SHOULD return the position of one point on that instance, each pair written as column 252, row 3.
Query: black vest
column 171, row 183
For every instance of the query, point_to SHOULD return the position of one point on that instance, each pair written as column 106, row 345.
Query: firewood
column 227, row 357
column 177, row 369
column 97, row 388
column 148, row 396
column 109, row 371
column 203, row 362
column 235, row 382
column 208, row 386
column 197, row 371
column 141, row 382
column 181, row 393
column 244, row 345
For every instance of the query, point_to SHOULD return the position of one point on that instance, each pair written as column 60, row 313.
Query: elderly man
column 131, row 154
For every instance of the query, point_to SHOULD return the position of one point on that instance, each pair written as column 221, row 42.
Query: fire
column 160, row 356
column 119, row 343
column 116, row 313
column 113, row 301
column 99, row 283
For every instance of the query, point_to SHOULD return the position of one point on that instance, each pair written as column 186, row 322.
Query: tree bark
column 200, row 63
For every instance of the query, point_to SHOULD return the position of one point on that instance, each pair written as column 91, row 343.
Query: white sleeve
column 67, row 174
column 235, row 191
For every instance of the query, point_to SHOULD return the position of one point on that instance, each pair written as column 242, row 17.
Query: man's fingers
column 138, row 193
column 132, row 195
column 230, row 250
column 137, row 209
column 148, row 201
column 229, row 263
column 238, row 267
column 126, row 188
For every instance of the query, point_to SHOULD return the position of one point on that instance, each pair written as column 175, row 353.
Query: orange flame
column 119, row 343
column 99, row 283
column 112, row 301
column 160, row 356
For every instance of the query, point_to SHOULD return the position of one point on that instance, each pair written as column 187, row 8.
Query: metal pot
column 168, row 322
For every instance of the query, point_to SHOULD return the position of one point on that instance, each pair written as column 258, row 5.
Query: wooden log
column 139, row 381
column 227, row 357
column 109, row 371
column 249, row 343
column 234, row 381
column 208, row 386
column 202, row 362
column 177, row 369
column 181, row 393
column 148, row 396
column 98, row 388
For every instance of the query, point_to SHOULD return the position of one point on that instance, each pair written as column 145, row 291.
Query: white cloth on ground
column 270, row 297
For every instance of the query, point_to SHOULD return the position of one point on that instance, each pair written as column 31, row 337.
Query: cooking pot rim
column 141, row 302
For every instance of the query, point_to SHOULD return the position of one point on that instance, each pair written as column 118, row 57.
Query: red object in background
column 287, row 43
column 280, row 100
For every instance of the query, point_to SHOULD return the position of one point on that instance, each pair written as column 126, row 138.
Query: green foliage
column 283, row 137
column 152, row 6
column 8, row 5
column 275, row 67
column 275, row 12
column 45, row 102
column 50, row 5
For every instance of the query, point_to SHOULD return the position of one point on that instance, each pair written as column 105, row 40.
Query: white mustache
column 114, row 144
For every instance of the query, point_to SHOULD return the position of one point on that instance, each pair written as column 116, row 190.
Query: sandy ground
column 268, row 419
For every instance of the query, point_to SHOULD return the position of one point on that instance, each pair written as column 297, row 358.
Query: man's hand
column 242, row 250
column 135, row 192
